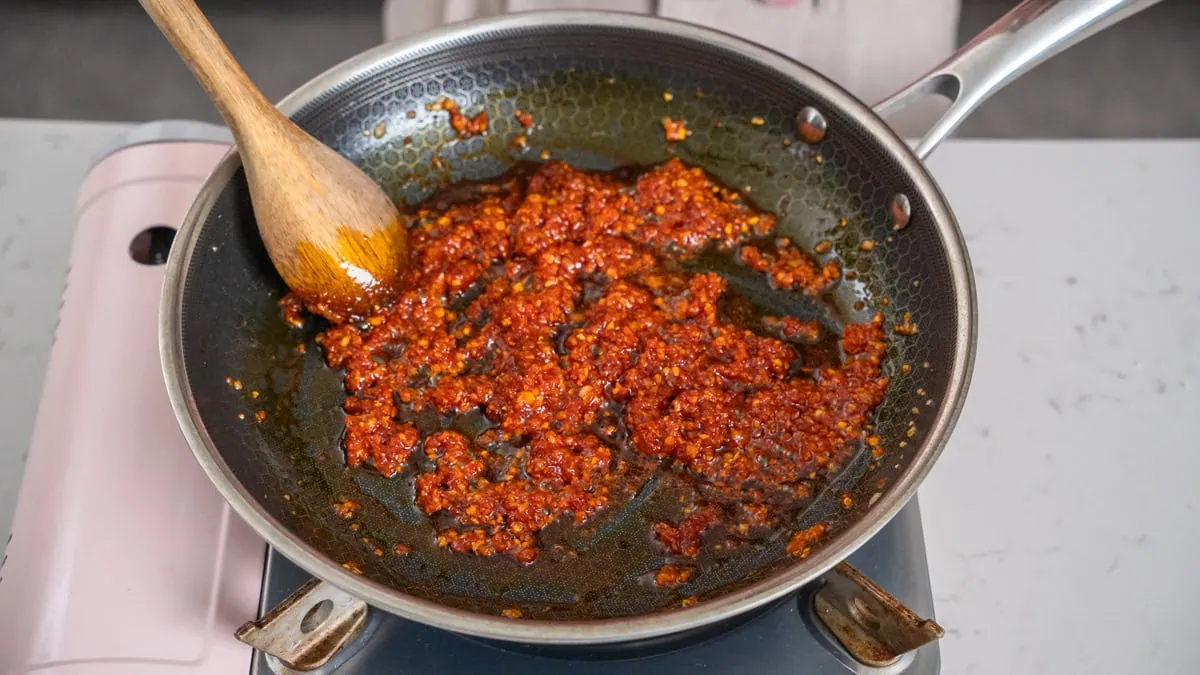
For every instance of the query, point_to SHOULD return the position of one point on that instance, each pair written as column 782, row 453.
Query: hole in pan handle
column 1031, row 33
column 871, row 625
column 310, row 627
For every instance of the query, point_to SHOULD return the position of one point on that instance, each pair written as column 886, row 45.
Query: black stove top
column 786, row 638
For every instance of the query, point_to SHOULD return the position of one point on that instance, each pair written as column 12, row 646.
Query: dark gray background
column 103, row 60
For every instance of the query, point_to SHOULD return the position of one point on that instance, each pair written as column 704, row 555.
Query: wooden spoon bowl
column 332, row 233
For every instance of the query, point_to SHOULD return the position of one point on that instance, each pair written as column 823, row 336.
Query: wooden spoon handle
column 189, row 32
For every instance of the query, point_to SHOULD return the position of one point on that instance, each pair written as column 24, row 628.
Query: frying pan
column 798, row 146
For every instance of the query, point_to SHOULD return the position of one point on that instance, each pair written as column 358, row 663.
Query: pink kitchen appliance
column 125, row 560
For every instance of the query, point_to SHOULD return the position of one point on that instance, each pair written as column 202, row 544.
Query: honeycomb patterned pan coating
column 597, row 96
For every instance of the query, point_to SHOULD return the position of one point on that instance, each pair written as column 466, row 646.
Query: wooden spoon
column 331, row 232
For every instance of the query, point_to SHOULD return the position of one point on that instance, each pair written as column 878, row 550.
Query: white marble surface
column 41, row 167
column 1061, row 522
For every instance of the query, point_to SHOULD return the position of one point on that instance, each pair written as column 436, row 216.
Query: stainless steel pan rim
column 800, row 573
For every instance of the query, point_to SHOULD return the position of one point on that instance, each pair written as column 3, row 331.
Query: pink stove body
column 124, row 559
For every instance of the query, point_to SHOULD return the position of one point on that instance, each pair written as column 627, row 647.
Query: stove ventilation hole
column 316, row 616
column 151, row 245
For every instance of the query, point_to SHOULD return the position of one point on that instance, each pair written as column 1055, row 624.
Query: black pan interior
column 597, row 95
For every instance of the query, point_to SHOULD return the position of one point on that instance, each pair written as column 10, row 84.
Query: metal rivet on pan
column 901, row 210
column 810, row 125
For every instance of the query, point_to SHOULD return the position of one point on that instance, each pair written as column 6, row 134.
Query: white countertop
column 1061, row 521
column 41, row 167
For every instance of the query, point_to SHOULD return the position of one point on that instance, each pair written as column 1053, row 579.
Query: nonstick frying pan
column 798, row 145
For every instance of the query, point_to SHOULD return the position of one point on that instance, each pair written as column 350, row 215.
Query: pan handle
column 1031, row 33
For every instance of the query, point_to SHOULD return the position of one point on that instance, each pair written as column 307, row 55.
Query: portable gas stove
column 125, row 560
